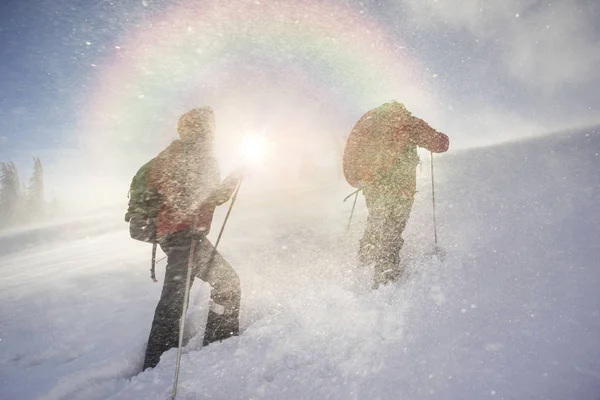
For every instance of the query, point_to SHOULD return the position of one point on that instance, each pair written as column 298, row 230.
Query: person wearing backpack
column 380, row 158
column 183, row 187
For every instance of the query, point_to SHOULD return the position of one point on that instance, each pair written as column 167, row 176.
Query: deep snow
column 512, row 312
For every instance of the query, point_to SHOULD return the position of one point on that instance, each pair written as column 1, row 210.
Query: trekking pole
column 235, row 194
column 153, row 267
column 437, row 250
column 351, row 194
column 187, row 285
column 433, row 200
column 355, row 193
column 186, row 297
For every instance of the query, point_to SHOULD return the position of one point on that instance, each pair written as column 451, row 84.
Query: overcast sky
column 496, row 69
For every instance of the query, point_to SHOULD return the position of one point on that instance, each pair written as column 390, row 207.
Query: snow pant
column 211, row 267
column 382, row 239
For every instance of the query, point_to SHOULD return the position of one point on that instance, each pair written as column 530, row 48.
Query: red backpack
column 376, row 144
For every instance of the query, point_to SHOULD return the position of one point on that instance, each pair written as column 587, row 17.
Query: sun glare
column 253, row 148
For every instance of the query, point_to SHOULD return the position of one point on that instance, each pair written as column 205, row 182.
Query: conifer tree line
column 21, row 203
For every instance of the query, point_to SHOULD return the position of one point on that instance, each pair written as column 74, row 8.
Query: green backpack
column 144, row 205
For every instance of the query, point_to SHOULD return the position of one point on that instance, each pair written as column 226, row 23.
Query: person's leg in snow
column 382, row 239
column 388, row 267
column 223, row 318
column 164, row 333
column 223, row 314
column 370, row 243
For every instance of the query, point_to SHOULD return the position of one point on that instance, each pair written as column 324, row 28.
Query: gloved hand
column 233, row 179
column 227, row 187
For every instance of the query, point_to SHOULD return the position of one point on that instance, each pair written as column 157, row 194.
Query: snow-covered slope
column 512, row 311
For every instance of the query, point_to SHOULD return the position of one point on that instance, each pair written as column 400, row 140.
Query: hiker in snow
column 380, row 157
column 186, row 177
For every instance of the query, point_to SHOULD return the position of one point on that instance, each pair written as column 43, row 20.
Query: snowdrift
column 512, row 312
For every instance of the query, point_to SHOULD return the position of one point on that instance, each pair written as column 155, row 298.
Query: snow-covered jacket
column 381, row 149
column 185, row 174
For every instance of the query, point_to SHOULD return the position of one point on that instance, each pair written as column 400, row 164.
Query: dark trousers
column 211, row 267
column 382, row 239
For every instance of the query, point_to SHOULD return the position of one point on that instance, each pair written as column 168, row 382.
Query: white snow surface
column 511, row 312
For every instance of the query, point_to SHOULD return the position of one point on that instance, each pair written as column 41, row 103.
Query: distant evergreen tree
column 35, row 207
column 10, row 194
